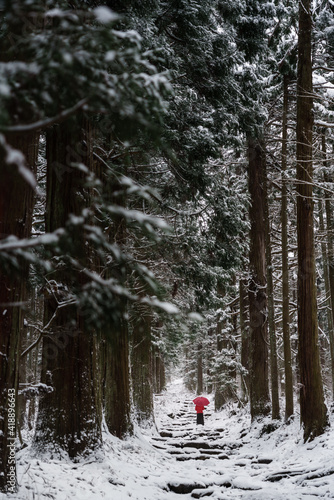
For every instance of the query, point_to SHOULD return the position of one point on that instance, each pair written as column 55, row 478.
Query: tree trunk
column 69, row 416
column 199, row 386
column 259, row 391
column 159, row 377
column 329, row 272
column 313, row 411
column 16, row 207
column 141, row 364
column 117, row 382
column 275, row 412
column 225, row 372
column 162, row 372
column 245, row 345
column 285, row 263
column 219, row 389
column 117, row 402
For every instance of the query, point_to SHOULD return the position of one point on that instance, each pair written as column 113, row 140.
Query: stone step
column 181, row 438
column 185, row 487
column 166, row 434
column 196, row 444
column 159, row 447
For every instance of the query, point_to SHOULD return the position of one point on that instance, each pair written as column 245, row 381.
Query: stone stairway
column 223, row 459
column 181, row 437
column 228, row 458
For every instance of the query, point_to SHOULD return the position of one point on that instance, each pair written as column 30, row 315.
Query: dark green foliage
column 200, row 54
column 252, row 24
column 69, row 57
column 74, row 55
column 214, row 248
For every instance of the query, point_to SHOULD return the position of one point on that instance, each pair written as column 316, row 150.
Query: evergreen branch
column 19, row 244
column 180, row 212
column 189, row 214
column 173, row 37
column 323, row 68
column 322, row 124
column 42, row 124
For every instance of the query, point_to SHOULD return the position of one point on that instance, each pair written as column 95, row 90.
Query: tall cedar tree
column 16, row 207
column 285, row 261
column 117, row 404
column 16, row 204
column 259, row 389
column 68, row 416
column 252, row 24
column 271, row 308
column 313, row 411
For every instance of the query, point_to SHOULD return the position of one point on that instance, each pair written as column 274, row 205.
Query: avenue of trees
column 166, row 199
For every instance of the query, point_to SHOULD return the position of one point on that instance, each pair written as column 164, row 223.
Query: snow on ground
column 246, row 462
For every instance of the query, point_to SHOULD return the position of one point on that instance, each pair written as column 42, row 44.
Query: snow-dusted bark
column 313, row 411
column 259, row 390
column 285, row 264
column 141, row 363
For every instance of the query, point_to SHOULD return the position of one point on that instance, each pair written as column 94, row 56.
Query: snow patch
column 104, row 15
column 246, row 483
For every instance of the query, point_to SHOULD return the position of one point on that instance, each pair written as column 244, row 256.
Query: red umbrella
column 201, row 401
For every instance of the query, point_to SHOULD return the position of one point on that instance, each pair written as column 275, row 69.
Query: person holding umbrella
column 200, row 403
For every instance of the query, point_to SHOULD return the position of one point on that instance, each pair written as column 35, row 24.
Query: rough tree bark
column 199, row 385
column 313, row 412
column 285, row 262
column 16, row 207
column 245, row 345
column 158, row 369
column 219, row 391
column 141, row 363
column 117, row 404
column 117, row 382
column 69, row 416
column 259, row 390
column 275, row 412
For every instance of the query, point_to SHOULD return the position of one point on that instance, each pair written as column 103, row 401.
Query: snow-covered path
column 228, row 458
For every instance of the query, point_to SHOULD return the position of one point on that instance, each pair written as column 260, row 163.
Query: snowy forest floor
column 228, row 458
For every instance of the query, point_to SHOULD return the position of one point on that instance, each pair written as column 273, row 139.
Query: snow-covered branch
column 42, row 124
